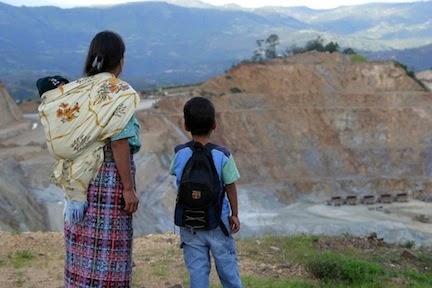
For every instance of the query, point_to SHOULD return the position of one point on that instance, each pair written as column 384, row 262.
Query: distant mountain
column 171, row 44
column 184, row 3
column 375, row 26
column 417, row 59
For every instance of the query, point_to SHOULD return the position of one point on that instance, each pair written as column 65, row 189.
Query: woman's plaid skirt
column 99, row 248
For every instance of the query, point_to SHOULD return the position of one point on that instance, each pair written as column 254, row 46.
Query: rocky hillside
column 302, row 128
column 18, row 207
column 318, row 123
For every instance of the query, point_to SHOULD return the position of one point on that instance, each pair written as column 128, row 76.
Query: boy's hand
column 131, row 201
column 234, row 224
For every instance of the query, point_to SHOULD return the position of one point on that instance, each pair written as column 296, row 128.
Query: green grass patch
column 279, row 249
column 255, row 282
column 357, row 58
column 20, row 258
column 418, row 279
column 335, row 267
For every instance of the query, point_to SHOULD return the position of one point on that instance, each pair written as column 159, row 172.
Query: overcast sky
column 315, row 4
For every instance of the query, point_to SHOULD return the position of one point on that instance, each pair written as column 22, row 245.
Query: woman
column 92, row 132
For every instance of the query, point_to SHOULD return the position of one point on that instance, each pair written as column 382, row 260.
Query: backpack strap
column 224, row 229
column 210, row 146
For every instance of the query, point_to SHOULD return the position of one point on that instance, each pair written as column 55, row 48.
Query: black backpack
column 200, row 193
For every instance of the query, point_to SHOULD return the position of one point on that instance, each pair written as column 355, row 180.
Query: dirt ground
column 36, row 260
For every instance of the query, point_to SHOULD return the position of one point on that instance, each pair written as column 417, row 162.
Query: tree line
column 267, row 48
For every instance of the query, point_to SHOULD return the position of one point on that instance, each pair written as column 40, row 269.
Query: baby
column 48, row 83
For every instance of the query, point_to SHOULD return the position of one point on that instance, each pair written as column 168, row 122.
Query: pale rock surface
column 425, row 77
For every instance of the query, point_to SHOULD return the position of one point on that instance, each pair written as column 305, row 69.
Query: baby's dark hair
column 199, row 116
column 105, row 53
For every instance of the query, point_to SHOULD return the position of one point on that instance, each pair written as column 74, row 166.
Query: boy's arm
column 231, row 191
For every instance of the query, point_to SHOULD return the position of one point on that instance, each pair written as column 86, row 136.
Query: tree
column 259, row 53
column 349, row 51
column 272, row 41
column 267, row 52
column 315, row 44
column 295, row 50
column 331, row 47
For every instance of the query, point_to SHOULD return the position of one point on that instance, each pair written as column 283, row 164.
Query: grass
column 277, row 249
column 334, row 267
column 344, row 263
column 300, row 261
column 20, row 258
column 357, row 58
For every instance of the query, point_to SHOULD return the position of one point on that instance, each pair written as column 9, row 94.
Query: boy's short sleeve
column 171, row 169
column 230, row 173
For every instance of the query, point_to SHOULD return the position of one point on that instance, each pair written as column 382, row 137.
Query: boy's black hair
column 199, row 115
column 105, row 53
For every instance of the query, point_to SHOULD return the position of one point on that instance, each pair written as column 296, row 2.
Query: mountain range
column 187, row 41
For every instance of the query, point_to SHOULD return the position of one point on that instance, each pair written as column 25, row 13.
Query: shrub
column 235, row 90
column 329, row 266
column 349, row 51
column 408, row 244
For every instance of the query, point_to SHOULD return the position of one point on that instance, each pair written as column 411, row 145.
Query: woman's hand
column 131, row 201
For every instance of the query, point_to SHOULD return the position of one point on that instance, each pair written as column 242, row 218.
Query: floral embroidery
column 85, row 79
column 67, row 113
column 80, row 143
column 103, row 93
column 113, row 85
column 120, row 110
column 123, row 87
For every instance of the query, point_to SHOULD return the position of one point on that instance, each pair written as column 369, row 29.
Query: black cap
column 48, row 83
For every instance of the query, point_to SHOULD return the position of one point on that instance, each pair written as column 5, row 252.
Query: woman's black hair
column 199, row 115
column 105, row 53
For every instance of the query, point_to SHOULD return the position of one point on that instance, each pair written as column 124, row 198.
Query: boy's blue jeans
column 197, row 246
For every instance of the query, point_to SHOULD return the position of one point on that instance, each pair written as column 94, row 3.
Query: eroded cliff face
column 9, row 110
column 306, row 127
column 19, row 209
column 318, row 124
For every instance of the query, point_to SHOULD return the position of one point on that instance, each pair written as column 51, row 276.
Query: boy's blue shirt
column 224, row 163
column 130, row 132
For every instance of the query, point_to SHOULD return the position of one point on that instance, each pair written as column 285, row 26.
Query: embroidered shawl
column 79, row 118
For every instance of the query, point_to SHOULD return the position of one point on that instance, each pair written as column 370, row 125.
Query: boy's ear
column 214, row 126
column 186, row 128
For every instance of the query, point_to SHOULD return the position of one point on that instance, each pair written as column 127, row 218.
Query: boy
column 199, row 119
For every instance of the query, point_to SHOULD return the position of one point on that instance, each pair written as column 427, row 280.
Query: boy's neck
column 203, row 139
